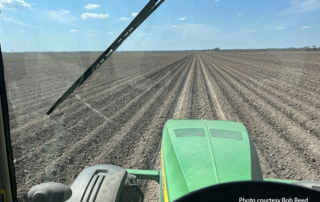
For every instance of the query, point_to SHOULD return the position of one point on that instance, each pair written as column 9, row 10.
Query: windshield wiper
column 144, row 14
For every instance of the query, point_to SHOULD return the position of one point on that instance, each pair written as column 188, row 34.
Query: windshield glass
column 255, row 62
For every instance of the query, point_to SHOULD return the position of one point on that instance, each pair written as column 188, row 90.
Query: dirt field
column 117, row 116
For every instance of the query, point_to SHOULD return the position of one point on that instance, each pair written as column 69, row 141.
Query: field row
column 118, row 115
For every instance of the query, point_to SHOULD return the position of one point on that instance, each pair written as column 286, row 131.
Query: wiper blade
column 151, row 6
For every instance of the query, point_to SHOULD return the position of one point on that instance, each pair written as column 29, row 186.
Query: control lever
column 49, row 192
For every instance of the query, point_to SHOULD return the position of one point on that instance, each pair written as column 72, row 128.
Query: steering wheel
column 253, row 191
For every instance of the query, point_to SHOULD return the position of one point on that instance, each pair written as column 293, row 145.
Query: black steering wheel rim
column 256, row 190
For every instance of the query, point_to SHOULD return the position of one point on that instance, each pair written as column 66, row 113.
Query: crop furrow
column 100, row 134
column 46, row 83
column 30, row 105
column 106, row 91
column 183, row 104
column 297, row 135
column 303, row 114
column 266, row 79
column 139, row 122
column 213, row 97
column 150, row 139
column 251, row 103
column 111, row 97
column 83, row 112
column 299, row 81
column 147, row 131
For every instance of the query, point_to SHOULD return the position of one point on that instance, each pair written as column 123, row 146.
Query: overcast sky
column 63, row 25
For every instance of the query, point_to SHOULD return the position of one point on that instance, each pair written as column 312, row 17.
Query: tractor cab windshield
column 159, row 100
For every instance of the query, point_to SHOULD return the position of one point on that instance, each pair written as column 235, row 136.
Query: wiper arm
column 151, row 6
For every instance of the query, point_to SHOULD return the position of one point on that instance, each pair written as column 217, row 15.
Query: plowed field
column 117, row 115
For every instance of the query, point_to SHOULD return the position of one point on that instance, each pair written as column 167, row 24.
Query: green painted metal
column 175, row 178
column 232, row 156
column 200, row 153
column 145, row 174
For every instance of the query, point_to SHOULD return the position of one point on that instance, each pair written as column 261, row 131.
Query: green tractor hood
column 200, row 153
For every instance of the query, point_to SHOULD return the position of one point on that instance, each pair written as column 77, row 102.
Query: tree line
column 306, row 48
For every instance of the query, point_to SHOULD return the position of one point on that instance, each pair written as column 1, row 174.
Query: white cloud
column 11, row 20
column 110, row 33
column 141, row 34
column 0, row 30
column 174, row 25
column 239, row 13
column 217, row 0
column 85, row 16
column 305, row 27
column 298, row 6
column 61, row 16
column 150, row 33
column 123, row 18
column 316, row 25
column 74, row 30
column 134, row 14
column 15, row 5
column 92, row 6
column 63, row 12
column 278, row 28
column 21, row 31
column 182, row 18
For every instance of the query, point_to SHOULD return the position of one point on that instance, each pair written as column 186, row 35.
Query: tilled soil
column 117, row 116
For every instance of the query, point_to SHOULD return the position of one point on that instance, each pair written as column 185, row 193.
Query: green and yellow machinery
column 201, row 160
